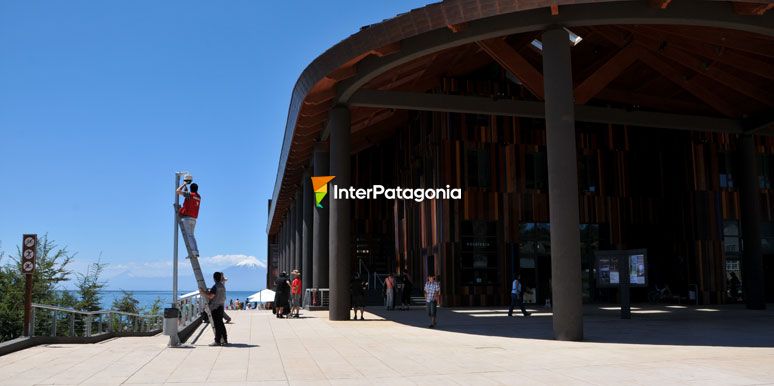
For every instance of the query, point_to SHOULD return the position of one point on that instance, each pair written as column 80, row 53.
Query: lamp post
column 172, row 314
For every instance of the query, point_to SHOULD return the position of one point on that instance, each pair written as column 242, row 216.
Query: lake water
column 146, row 298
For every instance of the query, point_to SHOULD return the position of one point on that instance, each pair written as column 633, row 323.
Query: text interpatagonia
column 377, row 191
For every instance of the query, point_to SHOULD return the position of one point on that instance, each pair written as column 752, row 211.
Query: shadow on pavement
column 241, row 345
column 727, row 325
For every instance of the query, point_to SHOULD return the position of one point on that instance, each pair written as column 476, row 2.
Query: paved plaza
column 664, row 345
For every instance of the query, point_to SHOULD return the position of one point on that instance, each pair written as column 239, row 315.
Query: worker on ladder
column 190, row 210
column 185, row 218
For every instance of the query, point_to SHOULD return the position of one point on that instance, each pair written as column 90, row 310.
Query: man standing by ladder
column 217, row 300
column 189, row 211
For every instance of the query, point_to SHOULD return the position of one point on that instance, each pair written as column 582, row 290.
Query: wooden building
column 671, row 106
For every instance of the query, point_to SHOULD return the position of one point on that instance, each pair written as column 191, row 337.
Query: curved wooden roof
column 414, row 45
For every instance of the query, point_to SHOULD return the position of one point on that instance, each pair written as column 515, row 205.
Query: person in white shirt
column 517, row 295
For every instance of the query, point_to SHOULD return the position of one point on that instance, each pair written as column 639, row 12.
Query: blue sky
column 101, row 101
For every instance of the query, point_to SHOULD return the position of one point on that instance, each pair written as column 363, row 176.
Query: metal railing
column 316, row 297
column 362, row 266
column 191, row 306
column 379, row 279
column 53, row 321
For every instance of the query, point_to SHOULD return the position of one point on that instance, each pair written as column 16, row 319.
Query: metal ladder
column 197, row 269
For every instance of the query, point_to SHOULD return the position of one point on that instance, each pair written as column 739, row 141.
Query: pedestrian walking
column 217, row 300
column 517, row 295
column 432, row 298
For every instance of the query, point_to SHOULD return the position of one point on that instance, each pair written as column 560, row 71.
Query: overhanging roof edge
column 446, row 13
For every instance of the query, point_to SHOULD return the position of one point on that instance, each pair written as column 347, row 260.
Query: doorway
column 535, row 261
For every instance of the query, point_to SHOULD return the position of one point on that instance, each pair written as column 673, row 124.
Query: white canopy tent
column 262, row 296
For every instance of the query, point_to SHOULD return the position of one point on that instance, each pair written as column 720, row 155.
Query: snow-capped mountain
column 245, row 274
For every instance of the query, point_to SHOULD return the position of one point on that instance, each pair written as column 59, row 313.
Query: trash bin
column 171, row 318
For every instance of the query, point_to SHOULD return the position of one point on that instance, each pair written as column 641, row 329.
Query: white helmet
column 188, row 178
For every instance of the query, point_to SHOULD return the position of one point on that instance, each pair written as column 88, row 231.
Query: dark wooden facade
column 671, row 192
column 638, row 187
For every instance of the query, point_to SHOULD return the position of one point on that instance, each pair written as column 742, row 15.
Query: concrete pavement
column 660, row 345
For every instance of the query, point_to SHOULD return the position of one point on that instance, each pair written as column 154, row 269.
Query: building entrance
column 535, row 261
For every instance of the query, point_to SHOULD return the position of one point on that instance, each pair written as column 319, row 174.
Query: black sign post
column 29, row 249
column 622, row 269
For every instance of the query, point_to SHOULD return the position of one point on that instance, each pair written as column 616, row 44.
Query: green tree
column 127, row 303
column 51, row 270
column 156, row 308
column 89, row 287
column 66, row 299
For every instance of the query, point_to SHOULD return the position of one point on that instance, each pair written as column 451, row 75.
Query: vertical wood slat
column 681, row 213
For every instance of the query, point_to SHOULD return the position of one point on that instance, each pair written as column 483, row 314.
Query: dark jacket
column 282, row 292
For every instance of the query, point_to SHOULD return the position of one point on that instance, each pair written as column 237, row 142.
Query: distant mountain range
column 243, row 276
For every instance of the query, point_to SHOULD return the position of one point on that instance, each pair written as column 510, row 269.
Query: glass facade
column 479, row 263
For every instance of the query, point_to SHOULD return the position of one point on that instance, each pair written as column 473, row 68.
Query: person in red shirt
column 389, row 292
column 189, row 212
column 295, row 293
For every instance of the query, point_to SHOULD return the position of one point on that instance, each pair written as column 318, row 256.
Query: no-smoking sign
column 29, row 246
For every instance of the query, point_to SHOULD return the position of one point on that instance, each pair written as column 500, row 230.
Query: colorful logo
column 320, row 186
